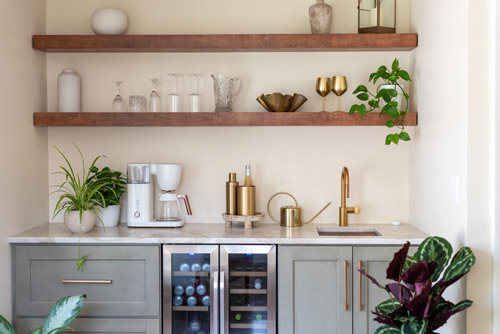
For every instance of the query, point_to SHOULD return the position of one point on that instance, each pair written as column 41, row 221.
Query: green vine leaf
column 81, row 262
column 360, row 88
column 363, row 96
column 389, row 124
column 404, row 136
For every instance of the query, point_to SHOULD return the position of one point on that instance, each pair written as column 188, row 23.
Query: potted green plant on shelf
column 388, row 98
column 60, row 317
column 80, row 198
column 416, row 304
column 110, row 211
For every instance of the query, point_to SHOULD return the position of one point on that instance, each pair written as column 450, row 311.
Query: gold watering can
column 290, row 216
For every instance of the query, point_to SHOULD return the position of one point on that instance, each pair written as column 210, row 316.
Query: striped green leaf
column 63, row 313
column 387, row 330
column 460, row 264
column 6, row 327
column 414, row 326
column 387, row 306
column 435, row 249
column 409, row 261
column 37, row 331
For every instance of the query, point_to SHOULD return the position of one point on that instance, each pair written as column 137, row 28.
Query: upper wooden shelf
column 225, row 43
column 215, row 119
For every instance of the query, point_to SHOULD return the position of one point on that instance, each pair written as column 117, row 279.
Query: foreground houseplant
column 112, row 193
column 386, row 99
column 60, row 317
column 416, row 304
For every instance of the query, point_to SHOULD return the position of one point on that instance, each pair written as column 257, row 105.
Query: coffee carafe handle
column 186, row 203
column 239, row 85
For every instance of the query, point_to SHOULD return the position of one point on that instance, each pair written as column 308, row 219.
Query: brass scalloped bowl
column 277, row 102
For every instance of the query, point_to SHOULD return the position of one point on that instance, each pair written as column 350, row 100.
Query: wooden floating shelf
column 215, row 119
column 225, row 43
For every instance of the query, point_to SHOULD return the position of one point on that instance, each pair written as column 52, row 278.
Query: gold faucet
column 344, row 193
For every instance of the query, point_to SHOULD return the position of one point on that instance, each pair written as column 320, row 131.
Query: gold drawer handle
column 83, row 281
column 345, row 286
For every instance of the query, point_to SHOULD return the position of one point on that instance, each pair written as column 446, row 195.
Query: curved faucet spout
column 344, row 193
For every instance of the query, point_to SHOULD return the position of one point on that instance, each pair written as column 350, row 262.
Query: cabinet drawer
column 118, row 280
column 97, row 326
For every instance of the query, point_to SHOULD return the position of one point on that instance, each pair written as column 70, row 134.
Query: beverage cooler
column 212, row 289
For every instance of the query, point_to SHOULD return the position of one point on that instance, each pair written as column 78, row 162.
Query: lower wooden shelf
column 215, row 119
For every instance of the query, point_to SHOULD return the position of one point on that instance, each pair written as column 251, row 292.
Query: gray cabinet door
column 373, row 260
column 97, row 326
column 314, row 284
column 118, row 280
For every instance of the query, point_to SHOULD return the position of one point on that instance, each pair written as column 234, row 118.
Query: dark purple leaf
column 419, row 273
column 421, row 302
column 399, row 291
column 371, row 278
column 397, row 263
column 386, row 320
column 441, row 318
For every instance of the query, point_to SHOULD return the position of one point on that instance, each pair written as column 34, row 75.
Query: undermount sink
column 348, row 232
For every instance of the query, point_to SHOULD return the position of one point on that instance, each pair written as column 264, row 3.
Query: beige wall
column 454, row 138
column 23, row 177
column 306, row 161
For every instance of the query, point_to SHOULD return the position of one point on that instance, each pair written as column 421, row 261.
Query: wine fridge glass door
column 190, row 289
column 249, row 296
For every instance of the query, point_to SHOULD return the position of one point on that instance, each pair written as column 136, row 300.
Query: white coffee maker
column 166, row 211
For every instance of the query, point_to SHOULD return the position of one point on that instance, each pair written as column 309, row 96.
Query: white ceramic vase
column 68, row 91
column 73, row 223
column 110, row 216
column 398, row 99
column 109, row 21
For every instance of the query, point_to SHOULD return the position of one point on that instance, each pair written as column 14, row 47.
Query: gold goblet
column 339, row 86
column 323, row 87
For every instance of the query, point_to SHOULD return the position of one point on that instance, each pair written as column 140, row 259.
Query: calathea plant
column 387, row 94
column 416, row 304
column 60, row 317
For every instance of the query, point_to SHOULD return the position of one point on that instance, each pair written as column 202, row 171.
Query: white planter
column 109, row 21
column 399, row 99
column 68, row 92
column 110, row 216
column 73, row 223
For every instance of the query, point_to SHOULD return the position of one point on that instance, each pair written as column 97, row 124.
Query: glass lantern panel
column 387, row 13
column 367, row 13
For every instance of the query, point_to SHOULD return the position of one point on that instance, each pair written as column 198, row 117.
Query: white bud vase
column 320, row 17
column 68, row 92
column 109, row 21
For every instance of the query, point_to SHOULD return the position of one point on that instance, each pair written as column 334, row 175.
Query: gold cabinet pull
column 85, row 281
column 345, row 285
column 360, row 266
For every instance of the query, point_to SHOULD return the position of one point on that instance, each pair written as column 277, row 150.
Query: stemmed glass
column 173, row 98
column 194, row 96
column 339, row 86
column 323, row 87
column 154, row 98
column 118, row 104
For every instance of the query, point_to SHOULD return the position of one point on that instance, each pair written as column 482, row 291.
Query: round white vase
column 73, row 223
column 398, row 99
column 68, row 91
column 109, row 21
column 110, row 216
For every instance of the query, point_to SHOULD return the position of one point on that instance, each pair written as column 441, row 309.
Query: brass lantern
column 376, row 16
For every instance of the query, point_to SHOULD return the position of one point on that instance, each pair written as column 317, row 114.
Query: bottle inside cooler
column 247, row 293
column 190, row 293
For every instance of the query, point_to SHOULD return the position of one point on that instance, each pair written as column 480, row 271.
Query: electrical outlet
column 454, row 188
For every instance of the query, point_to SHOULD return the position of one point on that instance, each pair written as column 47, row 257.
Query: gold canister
column 231, row 186
column 245, row 197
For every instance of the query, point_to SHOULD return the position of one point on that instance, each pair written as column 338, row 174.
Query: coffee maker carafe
column 140, row 186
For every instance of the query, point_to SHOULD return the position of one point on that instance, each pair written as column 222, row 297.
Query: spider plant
column 82, row 194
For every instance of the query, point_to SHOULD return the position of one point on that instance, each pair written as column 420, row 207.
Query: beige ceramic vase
column 72, row 221
column 320, row 17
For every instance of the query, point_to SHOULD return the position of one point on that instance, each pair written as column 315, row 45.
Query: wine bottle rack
column 248, row 326
column 248, row 291
column 190, row 273
column 249, row 308
column 190, row 308
column 249, row 273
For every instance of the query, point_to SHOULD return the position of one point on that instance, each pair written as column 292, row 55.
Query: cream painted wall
column 23, row 180
column 454, row 138
column 306, row 161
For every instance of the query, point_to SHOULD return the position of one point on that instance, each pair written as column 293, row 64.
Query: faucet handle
column 356, row 209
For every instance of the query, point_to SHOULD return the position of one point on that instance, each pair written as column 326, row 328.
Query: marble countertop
column 196, row 233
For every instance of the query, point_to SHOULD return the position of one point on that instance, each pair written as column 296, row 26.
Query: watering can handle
column 273, row 196
column 316, row 215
